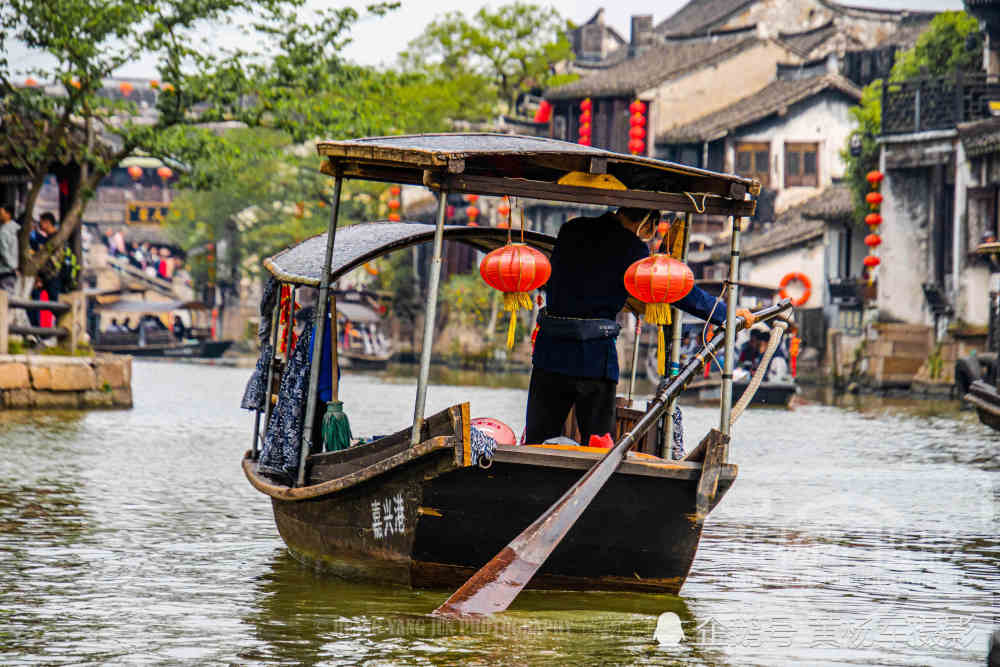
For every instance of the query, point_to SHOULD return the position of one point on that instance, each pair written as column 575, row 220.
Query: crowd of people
column 153, row 260
column 56, row 275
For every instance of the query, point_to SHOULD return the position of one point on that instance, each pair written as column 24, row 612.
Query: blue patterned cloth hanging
column 481, row 446
column 677, row 446
column 255, row 394
column 279, row 455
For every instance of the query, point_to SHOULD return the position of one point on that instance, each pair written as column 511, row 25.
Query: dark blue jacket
column 589, row 262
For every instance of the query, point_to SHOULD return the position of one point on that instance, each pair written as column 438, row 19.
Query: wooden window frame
column 800, row 178
column 762, row 172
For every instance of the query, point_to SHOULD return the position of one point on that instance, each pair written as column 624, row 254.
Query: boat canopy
column 302, row 264
column 357, row 313
column 538, row 168
column 126, row 306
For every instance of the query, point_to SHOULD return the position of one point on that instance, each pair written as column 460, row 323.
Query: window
column 800, row 165
column 753, row 160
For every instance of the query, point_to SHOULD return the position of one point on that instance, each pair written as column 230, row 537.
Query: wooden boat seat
column 625, row 419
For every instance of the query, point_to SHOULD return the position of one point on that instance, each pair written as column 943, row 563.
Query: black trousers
column 550, row 397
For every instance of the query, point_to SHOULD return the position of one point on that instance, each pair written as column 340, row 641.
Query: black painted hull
column 772, row 394
column 639, row 534
column 985, row 398
column 206, row 349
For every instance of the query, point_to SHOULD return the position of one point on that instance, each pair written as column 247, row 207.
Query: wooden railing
column 936, row 103
column 70, row 312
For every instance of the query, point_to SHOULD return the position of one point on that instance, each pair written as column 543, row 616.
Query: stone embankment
column 42, row 382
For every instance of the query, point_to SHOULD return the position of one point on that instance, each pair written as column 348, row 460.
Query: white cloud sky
column 377, row 40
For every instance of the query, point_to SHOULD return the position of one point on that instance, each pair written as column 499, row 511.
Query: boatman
column 575, row 362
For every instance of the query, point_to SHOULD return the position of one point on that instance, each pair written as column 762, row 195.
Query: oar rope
column 772, row 345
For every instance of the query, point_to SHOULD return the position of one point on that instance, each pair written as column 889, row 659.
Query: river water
column 862, row 534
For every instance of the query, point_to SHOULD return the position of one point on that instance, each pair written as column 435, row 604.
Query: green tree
column 509, row 50
column 942, row 49
column 73, row 118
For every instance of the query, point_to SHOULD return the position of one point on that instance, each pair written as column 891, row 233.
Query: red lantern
column 153, row 83
column 871, row 261
column 75, row 83
column 584, row 141
column 585, row 105
column 636, row 146
column 658, row 281
column 637, row 107
column 584, row 128
column 544, row 112
column 873, row 240
column 874, row 178
column 167, row 87
column 450, row 211
column 30, row 82
column 393, row 204
column 637, row 132
column 394, row 217
column 135, row 171
column 637, row 120
column 472, row 212
column 395, row 190
column 585, row 116
column 873, row 219
column 515, row 269
column 663, row 227
column 874, row 199
column 503, row 209
column 164, row 173
column 126, row 88
column 472, row 199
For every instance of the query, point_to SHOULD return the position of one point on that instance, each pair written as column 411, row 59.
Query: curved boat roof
column 538, row 168
column 302, row 263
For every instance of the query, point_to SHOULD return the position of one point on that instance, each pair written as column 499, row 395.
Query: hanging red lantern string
column 873, row 220
column 473, row 213
column 637, row 131
column 515, row 269
column 585, row 117
column 394, row 204
column 504, row 211
column 658, row 281
column 286, row 311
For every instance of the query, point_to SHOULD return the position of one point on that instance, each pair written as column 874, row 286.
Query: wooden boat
column 985, row 398
column 414, row 508
column 158, row 341
column 360, row 346
column 977, row 377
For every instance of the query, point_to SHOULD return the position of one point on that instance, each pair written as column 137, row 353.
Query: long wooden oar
column 497, row 583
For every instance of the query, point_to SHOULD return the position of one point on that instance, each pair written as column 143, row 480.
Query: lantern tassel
column 512, row 301
column 659, row 314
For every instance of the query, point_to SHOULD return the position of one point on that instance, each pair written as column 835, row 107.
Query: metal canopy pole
column 730, row 340
column 676, row 335
column 430, row 312
column 270, row 378
column 319, row 326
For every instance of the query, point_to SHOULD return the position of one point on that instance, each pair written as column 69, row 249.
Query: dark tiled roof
column 776, row 96
column 650, row 68
column 981, row 136
column 907, row 31
column 804, row 42
column 699, row 16
column 802, row 223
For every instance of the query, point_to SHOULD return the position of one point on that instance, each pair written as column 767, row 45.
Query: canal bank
column 31, row 381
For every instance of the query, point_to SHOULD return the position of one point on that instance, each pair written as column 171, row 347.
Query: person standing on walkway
column 8, row 249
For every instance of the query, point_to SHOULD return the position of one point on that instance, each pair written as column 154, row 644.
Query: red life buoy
column 806, row 285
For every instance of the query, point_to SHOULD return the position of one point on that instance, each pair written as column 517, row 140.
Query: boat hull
column 985, row 398
column 639, row 534
column 206, row 349
column 773, row 394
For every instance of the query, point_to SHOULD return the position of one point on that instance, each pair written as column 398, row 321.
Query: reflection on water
column 858, row 533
